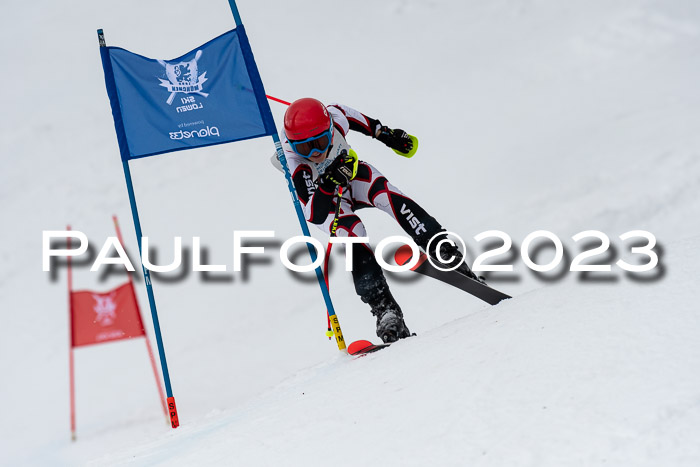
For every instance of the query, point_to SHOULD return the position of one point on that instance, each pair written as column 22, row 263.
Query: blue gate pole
column 335, row 324
column 302, row 222
column 264, row 107
column 234, row 10
column 124, row 151
column 172, row 409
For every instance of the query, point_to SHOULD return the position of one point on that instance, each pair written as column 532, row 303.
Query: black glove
column 395, row 139
column 340, row 172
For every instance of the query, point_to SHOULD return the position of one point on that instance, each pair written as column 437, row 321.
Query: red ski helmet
column 305, row 118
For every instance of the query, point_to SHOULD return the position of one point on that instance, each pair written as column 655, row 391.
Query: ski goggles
column 316, row 144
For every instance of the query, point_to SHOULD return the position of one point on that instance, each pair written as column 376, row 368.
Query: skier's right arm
column 317, row 200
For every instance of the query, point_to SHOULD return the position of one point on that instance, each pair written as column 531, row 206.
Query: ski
column 364, row 347
column 454, row 278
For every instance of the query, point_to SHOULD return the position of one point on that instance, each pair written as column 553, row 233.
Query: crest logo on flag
column 183, row 77
column 105, row 308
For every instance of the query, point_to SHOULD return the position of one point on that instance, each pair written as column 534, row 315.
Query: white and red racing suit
column 368, row 189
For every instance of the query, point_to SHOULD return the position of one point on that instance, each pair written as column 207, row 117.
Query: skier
column 320, row 160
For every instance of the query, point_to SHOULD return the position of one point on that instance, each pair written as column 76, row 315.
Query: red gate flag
column 102, row 317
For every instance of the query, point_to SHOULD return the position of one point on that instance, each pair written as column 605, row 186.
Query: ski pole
column 334, row 228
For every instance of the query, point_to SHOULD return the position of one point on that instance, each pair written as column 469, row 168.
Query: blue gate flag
column 202, row 98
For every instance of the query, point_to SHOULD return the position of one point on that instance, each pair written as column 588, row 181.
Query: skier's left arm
column 394, row 138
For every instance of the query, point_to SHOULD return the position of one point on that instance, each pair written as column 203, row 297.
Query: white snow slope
column 531, row 114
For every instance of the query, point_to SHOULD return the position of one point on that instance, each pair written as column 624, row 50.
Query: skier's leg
column 368, row 277
column 372, row 188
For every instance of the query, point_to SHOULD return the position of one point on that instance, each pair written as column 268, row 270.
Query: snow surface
column 531, row 114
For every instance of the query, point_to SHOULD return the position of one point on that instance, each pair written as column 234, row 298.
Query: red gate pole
column 145, row 334
column 70, row 345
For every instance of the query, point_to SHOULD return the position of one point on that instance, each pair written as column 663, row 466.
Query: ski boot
column 390, row 324
column 371, row 286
